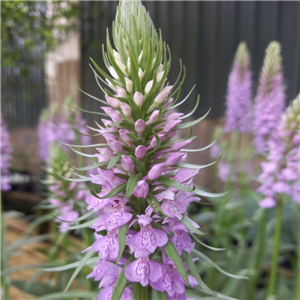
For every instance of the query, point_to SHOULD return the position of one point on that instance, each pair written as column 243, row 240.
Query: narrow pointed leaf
column 203, row 256
column 173, row 254
column 79, row 267
column 122, row 239
column 115, row 191
column 133, row 179
column 192, row 123
column 121, row 282
column 190, row 226
column 209, row 195
column 173, row 183
column 113, row 161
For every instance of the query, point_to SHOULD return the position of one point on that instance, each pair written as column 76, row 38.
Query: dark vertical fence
column 22, row 96
column 205, row 35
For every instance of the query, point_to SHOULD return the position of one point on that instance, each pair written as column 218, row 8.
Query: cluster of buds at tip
column 239, row 93
column 142, row 226
column 281, row 172
column 270, row 98
column 6, row 151
column 65, row 126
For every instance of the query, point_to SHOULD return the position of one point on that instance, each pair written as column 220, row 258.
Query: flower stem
column 259, row 251
column 272, row 282
column 221, row 213
column 140, row 292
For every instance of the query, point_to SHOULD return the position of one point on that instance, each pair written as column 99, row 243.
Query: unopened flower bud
column 140, row 152
column 141, row 189
column 115, row 145
column 156, row 171
column 116, row 55
column 127, row 164
column 174, row 158
column 140, row 57
column 128, row 85
column 168, row 103
column 111, row 85
column 148, row 86
column 113, row 73
column 138, row 99
column 141, row 74
column 128, row 64
column 106, row 152
column 170, row 125
column 153, row 117
column 121, row 92
column 126, row 110
column 115, row 103
column 140, row 126
column 114, row 115
column 124, row 135
column 161, row 97
column 174, row 116
column 159, row 76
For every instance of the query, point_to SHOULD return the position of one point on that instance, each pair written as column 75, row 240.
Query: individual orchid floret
column 270, row 98
column 6, row 151
column 144, row 271
column 281, row 174
column 239, row 93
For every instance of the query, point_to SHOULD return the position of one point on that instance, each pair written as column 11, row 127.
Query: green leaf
column 122, row 239
column 173, row 254
column 83, row 225
column 159, row 295
column 205, row 245
column 93, row 166
column 113, row 161
column 190, row 226
column 188, row 259
column 35, row 239
column 38, row 221
column 133, row 179
column 70, row 295
column 197, row 167
column 121, row 281
column 192, row 123
column 79, row 267
column 115, row 191
column 200, row 149
column 173, row 183
column 71, row 265
column 36, row 289
column 193, row 110
column 210, row 195
column 203, row 256
column 152, row 201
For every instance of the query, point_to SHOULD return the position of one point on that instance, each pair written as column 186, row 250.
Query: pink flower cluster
column 64, row 199
column 239, row 93
column 6, row 151
column 152, row 211
column 281, row 172
column 270, row 99
column 59, row 128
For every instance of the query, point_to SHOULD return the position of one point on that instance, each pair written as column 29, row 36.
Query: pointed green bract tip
column 242, row 55
column 273, row 59
column 291, row 118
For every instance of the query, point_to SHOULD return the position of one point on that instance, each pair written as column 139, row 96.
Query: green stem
column 221, row 213
column 258, row 255
column 272, row 282
column 298, row 270
column 140, row 292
